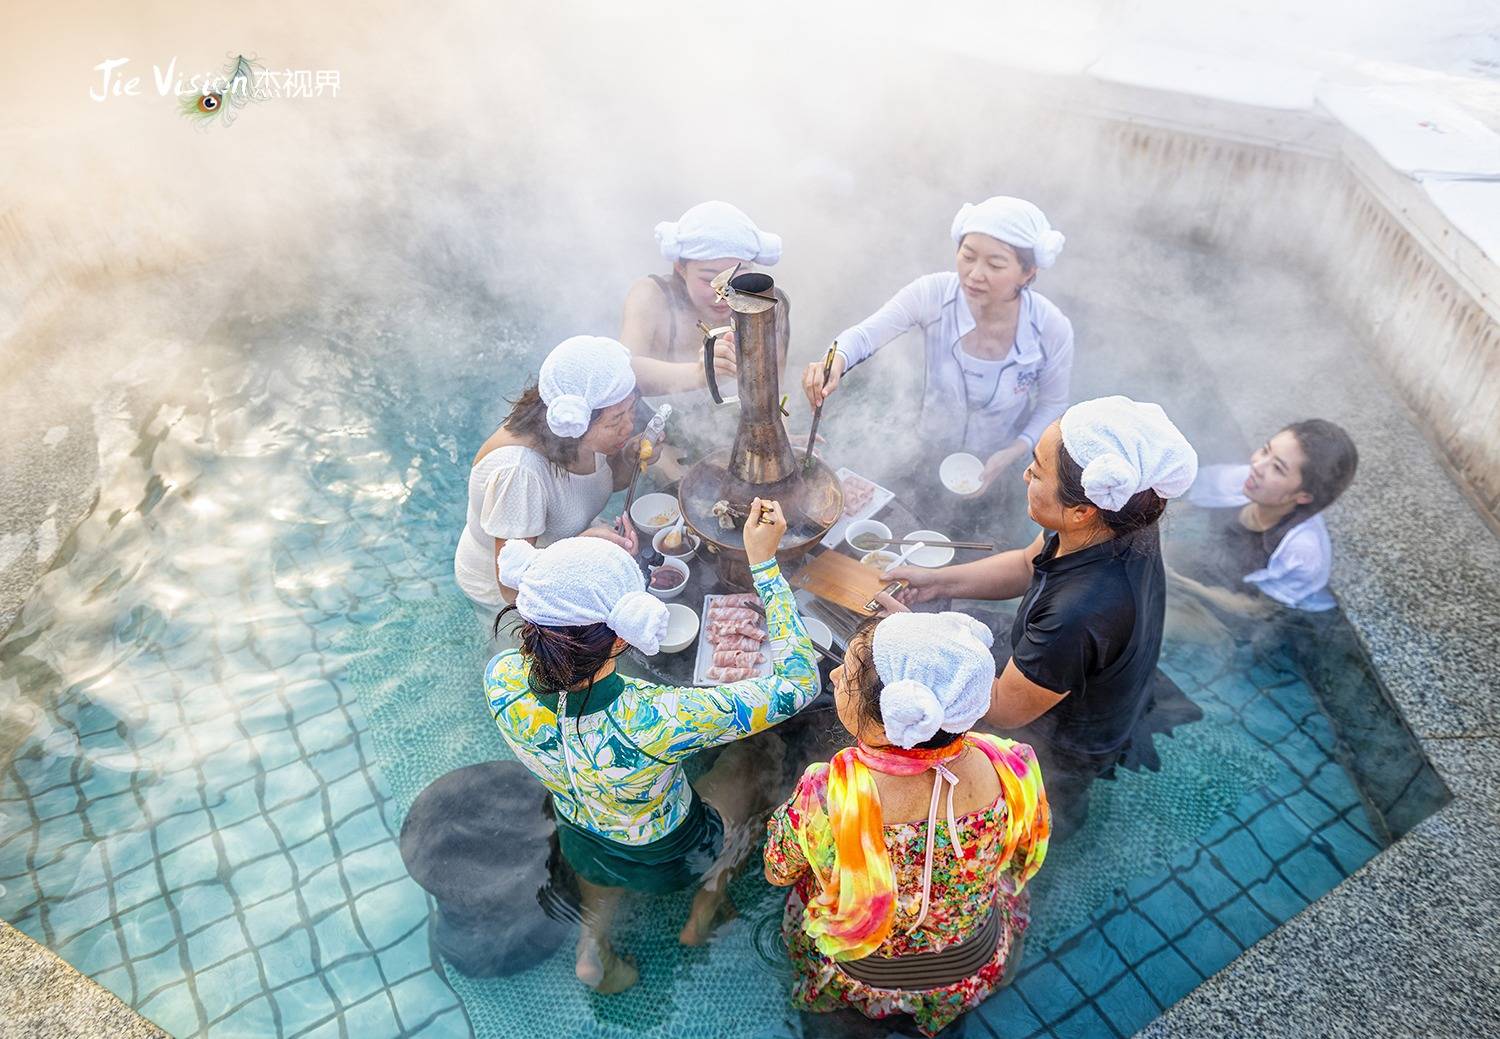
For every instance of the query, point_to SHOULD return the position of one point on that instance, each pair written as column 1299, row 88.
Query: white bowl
column 961, row 473
column 682, row 628
column 934, row 555
column 651, row 512
column 881, row 559
column 865, row 526
column 687, row 550
column 820, row 633
column 675, row 590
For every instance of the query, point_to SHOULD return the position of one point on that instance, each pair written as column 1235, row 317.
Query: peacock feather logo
column 219, row 99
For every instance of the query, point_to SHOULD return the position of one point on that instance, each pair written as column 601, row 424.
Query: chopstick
column 976, row 546
column 812, row 435
column 828, row 655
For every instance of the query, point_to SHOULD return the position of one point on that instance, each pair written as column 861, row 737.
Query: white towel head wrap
column 584, row 581
column 1124, row 447
column 580, row 375
column 937, row 672
column 1013, row 221
column 715, row 230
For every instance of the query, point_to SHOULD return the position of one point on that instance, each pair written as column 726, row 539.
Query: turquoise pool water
column 216, row 710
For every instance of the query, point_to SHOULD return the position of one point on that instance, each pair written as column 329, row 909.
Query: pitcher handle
column 710, row 337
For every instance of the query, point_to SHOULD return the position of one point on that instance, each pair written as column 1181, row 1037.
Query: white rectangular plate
column 704, row 660
column 878, row 501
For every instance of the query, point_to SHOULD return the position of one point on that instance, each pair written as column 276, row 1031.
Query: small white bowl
column 682, row 628
column 865, row 526
column 652, row 512
column 676, row 590
column 881, row 559
column 820, row 633
column 961, row 473
column 687, row 550
column 934, row 555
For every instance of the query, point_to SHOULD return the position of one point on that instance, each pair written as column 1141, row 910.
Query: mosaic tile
column 1167, row 976
column 1209, row 885
column 303, row 1005
column 1048, row 991
column 1127, row 1005
column 1171, row 910
column 253, row 1020
column 1208, row 947
column 1244, row 921
column 1083, row 1023
column 287, row 959
column 1133, row 936
column 1007, row 1015
column 1089, row 962
column 1311, row 870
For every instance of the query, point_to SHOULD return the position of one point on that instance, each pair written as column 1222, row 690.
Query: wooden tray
column 843, row 581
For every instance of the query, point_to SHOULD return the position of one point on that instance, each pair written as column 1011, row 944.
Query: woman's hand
column 997, row 464
column 764, row 528
column 623, row 535
column 812, row 380
column 922, row 584
column 724, row 355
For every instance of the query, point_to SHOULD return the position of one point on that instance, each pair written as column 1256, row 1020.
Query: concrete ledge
column 41, row 997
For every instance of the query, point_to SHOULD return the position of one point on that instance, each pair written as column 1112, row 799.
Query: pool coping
column 43, row 997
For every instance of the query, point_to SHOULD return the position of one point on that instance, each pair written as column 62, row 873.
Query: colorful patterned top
column 988, row 875
column 620, row 775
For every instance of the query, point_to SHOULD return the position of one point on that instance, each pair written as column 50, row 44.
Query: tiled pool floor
column 217, row 709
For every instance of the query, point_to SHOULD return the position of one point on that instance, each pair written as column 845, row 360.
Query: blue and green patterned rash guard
column 619, row 774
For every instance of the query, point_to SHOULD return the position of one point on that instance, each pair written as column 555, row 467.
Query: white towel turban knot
column 1015, row 222
column 717, row 230
column 584, row 581
column 1125, row 447
column 580, row 375
column 936, row 671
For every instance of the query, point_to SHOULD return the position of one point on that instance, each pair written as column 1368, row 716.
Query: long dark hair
column 866, row 683
column 1139, row 513
column 1329, row 459
column 528, row 418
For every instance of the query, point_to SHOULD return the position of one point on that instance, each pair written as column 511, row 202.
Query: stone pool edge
column 43, row 997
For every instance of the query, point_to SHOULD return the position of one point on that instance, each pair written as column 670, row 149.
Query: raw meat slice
column 743, row 642
column 730, row 674
column 738, row 658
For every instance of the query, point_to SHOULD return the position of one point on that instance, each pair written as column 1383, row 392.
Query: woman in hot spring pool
column 998, row 354
column 552, row 465
column 1269, row 544
column 1087, row 634
column 883, row 915
column 610, row 748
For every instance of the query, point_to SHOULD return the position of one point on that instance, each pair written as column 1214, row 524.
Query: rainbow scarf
column 840, row 830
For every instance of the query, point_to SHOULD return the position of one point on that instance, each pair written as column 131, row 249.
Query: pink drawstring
column 942, row 776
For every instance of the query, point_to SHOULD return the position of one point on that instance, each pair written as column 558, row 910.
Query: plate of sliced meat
column 862, row 499
column 733, row 645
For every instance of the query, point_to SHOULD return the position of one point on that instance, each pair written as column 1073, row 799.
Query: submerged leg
column 599, row 966
column 741, row 787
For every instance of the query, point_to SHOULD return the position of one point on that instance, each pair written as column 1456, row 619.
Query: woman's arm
column 507, row 593
column 1016, row 700
column 784, row 860
column 709, row 717
column 1004, row 575
column 916, row 304
column 646, row 325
